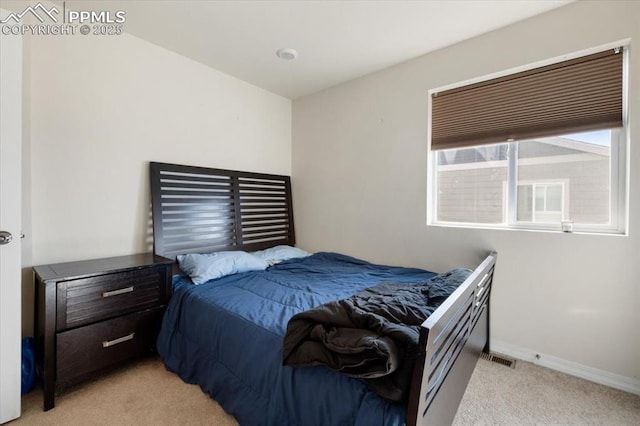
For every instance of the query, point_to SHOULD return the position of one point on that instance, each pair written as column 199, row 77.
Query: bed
column 227, row 335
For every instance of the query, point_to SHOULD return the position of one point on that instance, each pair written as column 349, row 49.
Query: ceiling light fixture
column 287, row 53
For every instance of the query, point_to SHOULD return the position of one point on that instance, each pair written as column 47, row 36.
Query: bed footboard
column 451, row 341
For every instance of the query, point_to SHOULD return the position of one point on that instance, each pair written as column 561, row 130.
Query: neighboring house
column 559, row 179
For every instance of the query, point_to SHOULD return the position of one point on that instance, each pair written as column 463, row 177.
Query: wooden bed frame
column 204, row 210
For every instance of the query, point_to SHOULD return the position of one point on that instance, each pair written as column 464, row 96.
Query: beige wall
column 101, row 108
column 359, row 181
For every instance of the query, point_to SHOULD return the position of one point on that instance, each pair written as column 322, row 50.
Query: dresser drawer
column 88, row 349
column 88, row 300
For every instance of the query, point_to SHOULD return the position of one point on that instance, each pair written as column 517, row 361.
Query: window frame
column 619, row 176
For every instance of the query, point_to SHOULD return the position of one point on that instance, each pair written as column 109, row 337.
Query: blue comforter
column 226, row 336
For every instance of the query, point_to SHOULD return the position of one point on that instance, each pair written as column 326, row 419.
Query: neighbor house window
column 540, row 202
column 533, row 150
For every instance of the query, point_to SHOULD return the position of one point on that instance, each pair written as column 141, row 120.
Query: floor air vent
column 500, row 359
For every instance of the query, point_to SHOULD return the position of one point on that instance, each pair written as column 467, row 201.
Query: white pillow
column 204, row 267
column 278, row 254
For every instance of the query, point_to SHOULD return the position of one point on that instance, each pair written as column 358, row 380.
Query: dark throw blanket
column 371, row 335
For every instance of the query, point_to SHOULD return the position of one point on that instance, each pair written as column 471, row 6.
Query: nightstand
column 94, row 314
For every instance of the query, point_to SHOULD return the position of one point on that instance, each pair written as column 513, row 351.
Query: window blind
column 572, row 96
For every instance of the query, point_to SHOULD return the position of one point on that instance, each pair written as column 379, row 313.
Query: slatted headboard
column 203, row 210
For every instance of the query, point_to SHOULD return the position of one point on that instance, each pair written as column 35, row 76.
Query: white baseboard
column 615, row 381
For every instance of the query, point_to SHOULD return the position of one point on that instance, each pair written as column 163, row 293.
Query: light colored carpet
column 533, row 395
column 144, row 393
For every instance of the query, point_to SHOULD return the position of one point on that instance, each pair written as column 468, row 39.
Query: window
column 540, row 202
column 472, row 184
column 544, row 177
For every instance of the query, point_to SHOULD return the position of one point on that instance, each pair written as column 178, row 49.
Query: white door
column 10, row 212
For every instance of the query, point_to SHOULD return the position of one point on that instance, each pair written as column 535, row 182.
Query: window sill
column 544, row 229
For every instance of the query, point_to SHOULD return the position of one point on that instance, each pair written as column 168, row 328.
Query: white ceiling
column 337, row 40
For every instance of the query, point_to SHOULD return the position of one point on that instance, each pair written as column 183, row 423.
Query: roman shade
column 572, row 96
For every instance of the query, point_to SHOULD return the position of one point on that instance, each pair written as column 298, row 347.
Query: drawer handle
column 117, row 292
column 117, row 341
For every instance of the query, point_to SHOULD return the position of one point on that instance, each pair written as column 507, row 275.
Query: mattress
column 226, row 336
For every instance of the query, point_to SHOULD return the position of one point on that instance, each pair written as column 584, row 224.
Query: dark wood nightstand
column 94, row 314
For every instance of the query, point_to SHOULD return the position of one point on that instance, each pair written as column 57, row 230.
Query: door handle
column 5, row 238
